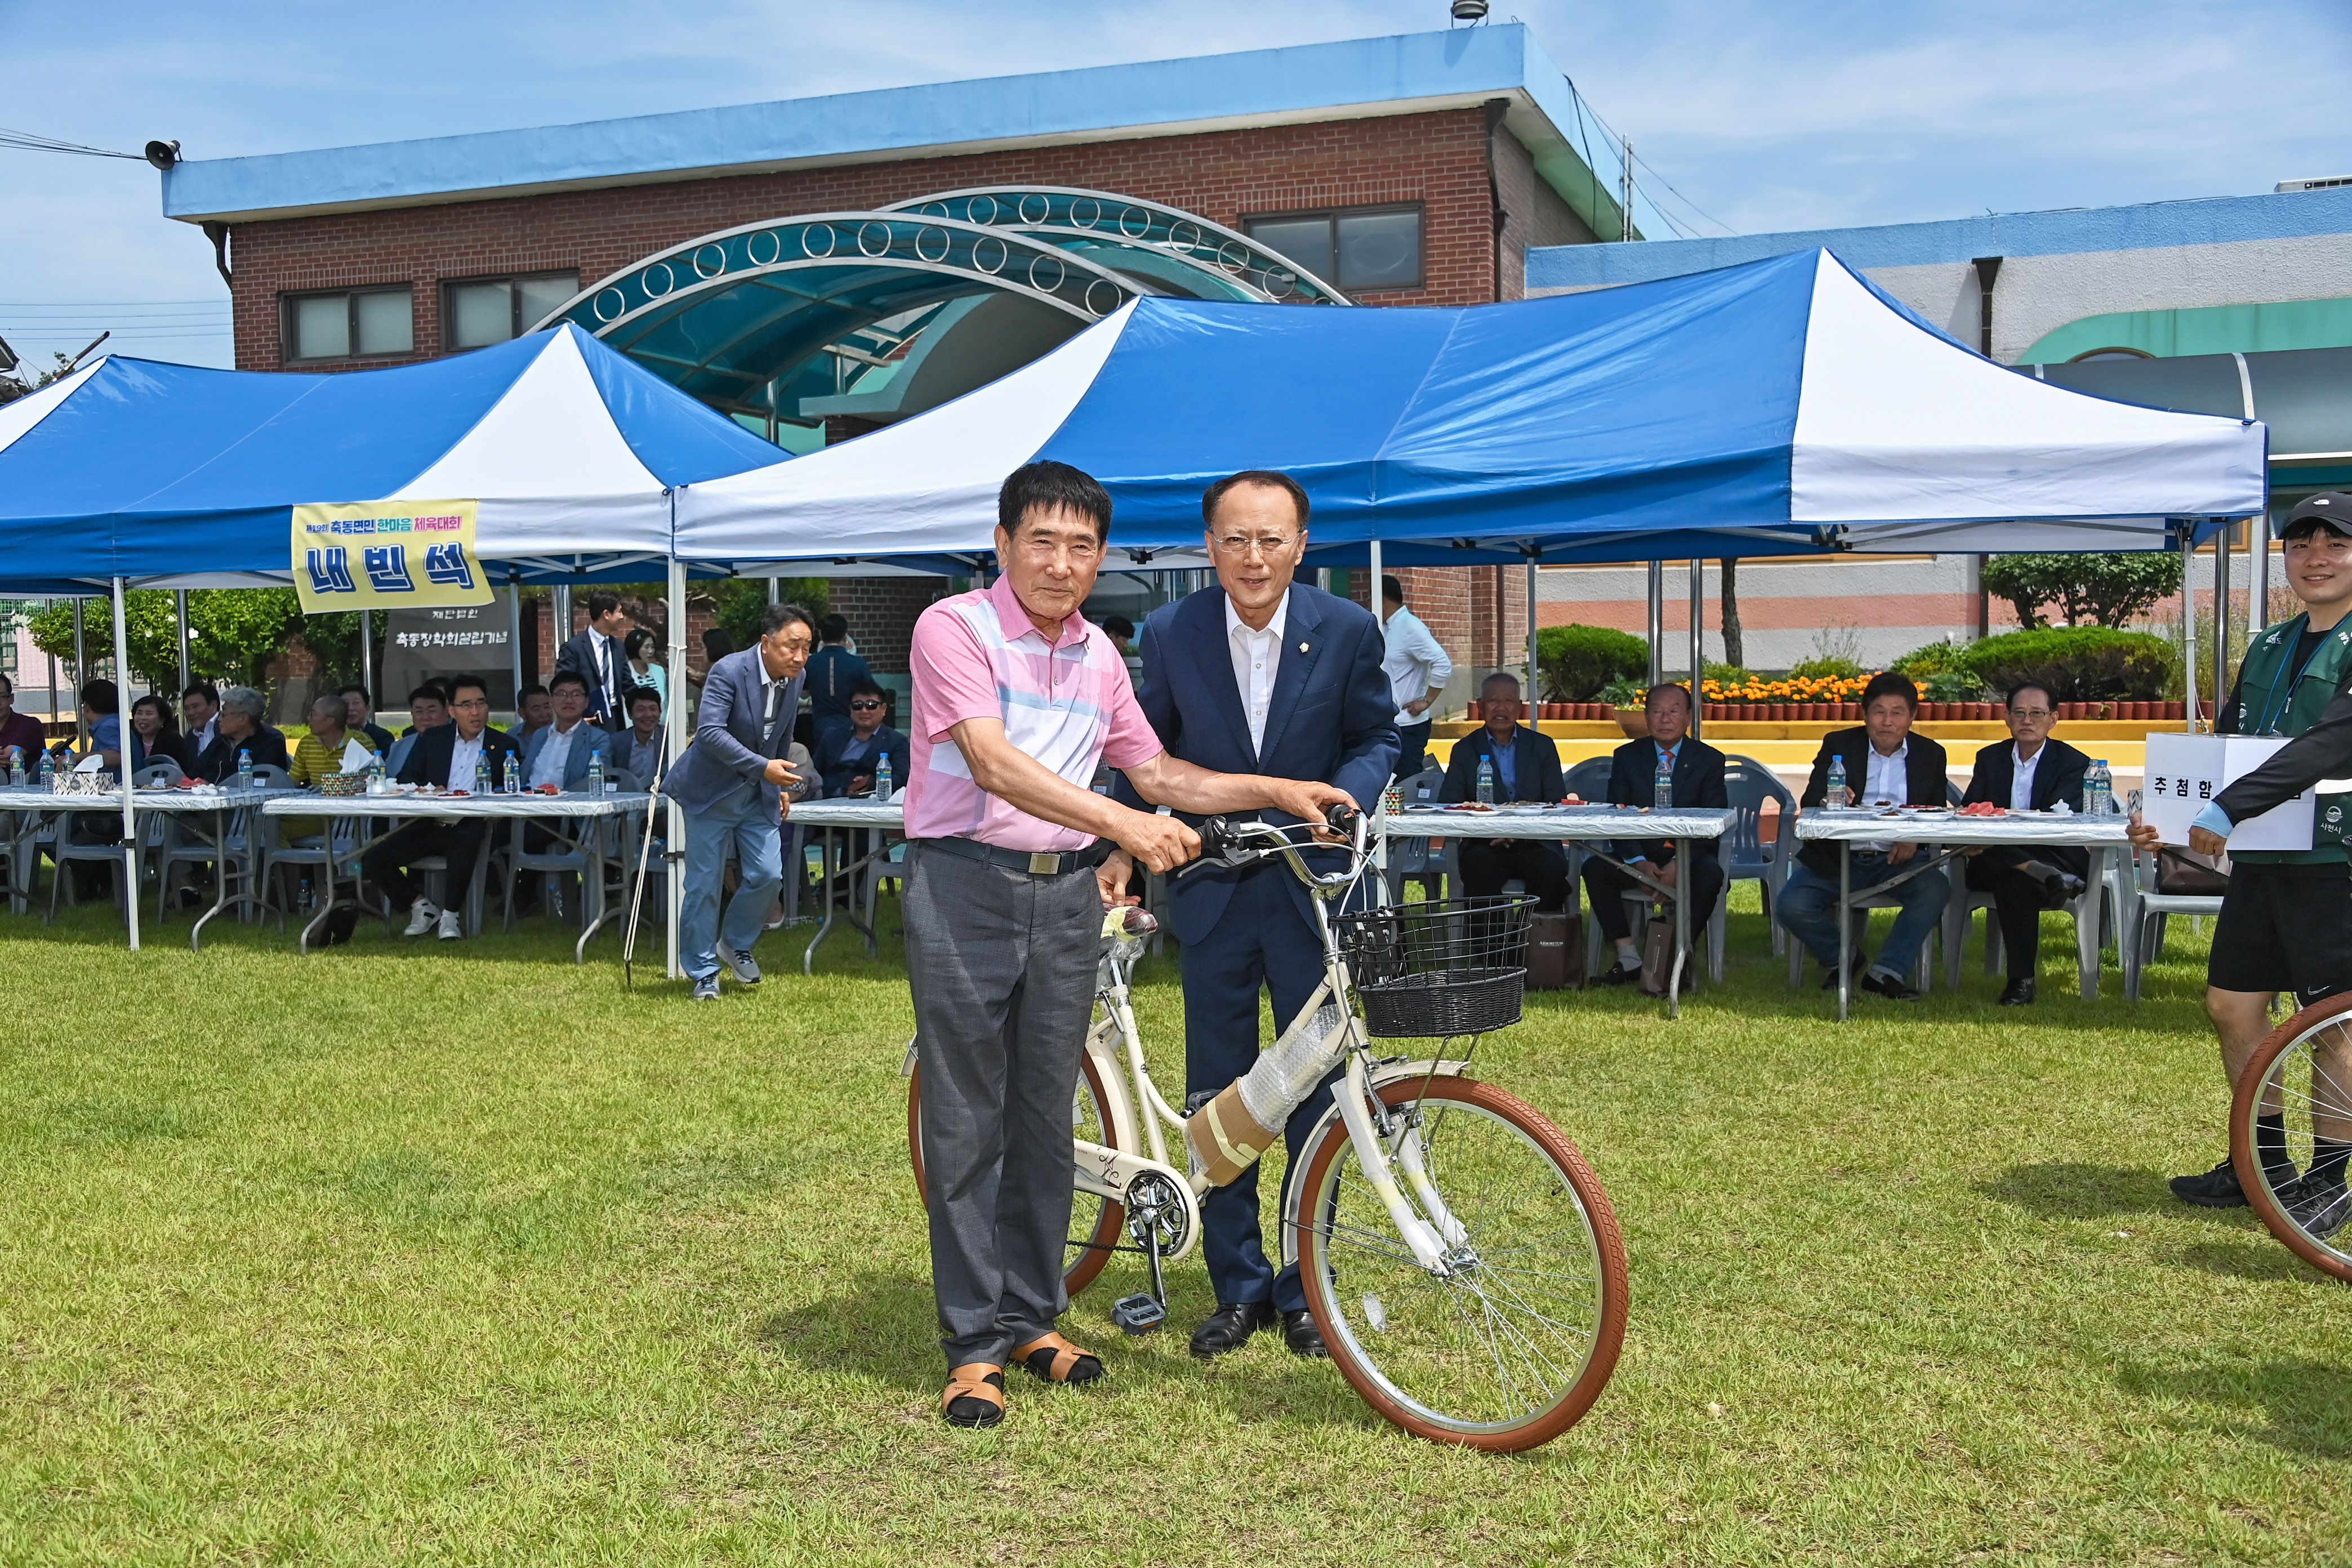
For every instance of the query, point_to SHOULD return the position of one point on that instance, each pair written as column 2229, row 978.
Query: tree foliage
column 235, row 632
column 2079, row 664
column 2089, row 590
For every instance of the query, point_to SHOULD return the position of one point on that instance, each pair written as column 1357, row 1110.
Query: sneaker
column 2320, row 1207
column 2215, row 1189
column 450, row 931
column 745, row 970
column 1891, row 986
column 421, row 916
column 706, row 988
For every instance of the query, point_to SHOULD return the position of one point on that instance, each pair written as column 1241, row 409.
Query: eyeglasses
column 2031, row 715
column 470, row 702
column 1241, row 546
column 863, row 707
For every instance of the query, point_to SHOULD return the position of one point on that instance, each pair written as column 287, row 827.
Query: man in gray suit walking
column 730, row 784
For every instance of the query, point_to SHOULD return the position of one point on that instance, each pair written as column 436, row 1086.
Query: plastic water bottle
column 595, row 773
column 2098, row 790
column 374, row 776
column 1662, row 784
column 48, row 772
column 16, row 767
column 1838, row 797
column 245, row 768
column 482, row 772
column 883, row 782
column 514, row 777
column 1486, row 780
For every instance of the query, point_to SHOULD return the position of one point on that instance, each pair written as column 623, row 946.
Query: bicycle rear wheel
column 1095, row 1222
column 1514, row 1347
column 2303, row 1072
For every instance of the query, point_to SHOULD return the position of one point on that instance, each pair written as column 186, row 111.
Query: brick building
column 1417, row 170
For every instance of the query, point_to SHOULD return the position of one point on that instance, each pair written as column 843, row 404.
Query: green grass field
column 405, row 1253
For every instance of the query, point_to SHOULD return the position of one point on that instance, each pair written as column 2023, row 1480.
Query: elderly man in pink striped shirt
column 1017, row 702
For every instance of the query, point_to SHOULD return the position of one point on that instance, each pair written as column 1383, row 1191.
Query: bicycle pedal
column 1138, row 1314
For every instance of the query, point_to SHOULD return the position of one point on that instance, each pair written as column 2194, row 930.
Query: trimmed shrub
column 1935, row 659
column 2079, row 664
column 1829, row 666
column 1577, row 661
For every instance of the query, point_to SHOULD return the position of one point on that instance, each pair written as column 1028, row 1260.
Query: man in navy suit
column 1698, row 772
column 1258, row 674
column 1525, row 768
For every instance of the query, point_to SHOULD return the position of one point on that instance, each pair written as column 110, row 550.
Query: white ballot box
column 2186, row 772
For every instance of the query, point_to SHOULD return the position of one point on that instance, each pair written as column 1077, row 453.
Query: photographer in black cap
column 2286, row 919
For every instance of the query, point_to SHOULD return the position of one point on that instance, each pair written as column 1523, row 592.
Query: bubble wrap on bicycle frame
column 1226, row 1136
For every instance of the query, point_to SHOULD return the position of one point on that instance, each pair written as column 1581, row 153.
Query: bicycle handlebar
column 1233, row 845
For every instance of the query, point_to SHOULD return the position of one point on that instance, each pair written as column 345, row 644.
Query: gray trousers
column 1002, row 965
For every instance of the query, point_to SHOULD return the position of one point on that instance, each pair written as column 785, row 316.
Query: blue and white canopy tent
column 137, row 474
column 1786, row 407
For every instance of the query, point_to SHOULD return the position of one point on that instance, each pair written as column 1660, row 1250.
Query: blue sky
column 1763, row 116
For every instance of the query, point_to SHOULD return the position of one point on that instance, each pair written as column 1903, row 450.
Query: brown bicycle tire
column 1108, row 1229
column 1609, row 1242
column 2244, row 1101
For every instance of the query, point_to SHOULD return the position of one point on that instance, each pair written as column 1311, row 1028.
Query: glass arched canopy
column 882, row 315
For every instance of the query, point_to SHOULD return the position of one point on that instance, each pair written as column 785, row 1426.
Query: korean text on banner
column 387, row 555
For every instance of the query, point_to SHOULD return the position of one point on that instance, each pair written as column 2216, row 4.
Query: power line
column 31, row 141
column 1582, row 107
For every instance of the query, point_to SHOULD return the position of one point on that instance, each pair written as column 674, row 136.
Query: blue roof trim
column 2218, row 220
column 1262, row 84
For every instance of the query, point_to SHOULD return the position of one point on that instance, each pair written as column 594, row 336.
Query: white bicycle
column 1458, row 1255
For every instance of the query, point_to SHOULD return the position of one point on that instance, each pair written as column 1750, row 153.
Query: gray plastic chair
column 2141, row 932
column 1416, row 859
column 1748, row 784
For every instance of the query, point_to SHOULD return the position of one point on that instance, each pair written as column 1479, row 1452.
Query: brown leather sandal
column 1056, row 1360
column 975, row 1394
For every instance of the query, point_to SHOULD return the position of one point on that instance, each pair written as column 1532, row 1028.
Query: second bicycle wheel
column 2301, row 1074
column 1512, row 1348
column 1095, row 1222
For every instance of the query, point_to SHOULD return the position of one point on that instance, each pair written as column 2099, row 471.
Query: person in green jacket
column 2286, row 919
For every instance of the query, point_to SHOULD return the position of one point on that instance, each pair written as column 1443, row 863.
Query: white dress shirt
column 2020, row 777
column 1258, row 660
column 1415, row 664
column 204, row 737
column 1887, row 782
column 555, row 753
column 463, row 755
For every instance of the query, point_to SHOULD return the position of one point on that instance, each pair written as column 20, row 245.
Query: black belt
column 1046, row 864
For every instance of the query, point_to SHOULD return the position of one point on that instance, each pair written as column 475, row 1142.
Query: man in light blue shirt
column 1417, row 669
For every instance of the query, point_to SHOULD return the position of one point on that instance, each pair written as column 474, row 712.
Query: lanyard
column 2272, row 696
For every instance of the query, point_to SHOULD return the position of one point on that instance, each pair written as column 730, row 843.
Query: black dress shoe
column 1300, row 1333
column 1861, row 965
column 1888, row 986
column 1231, row 1325
column 1617, row 974
column 2018, row 993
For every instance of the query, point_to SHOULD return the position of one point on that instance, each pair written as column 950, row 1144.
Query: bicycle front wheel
column 1513, row 1344
column 2302, row 1073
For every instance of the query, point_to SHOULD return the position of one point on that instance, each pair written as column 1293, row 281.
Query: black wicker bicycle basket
column 1449, row 967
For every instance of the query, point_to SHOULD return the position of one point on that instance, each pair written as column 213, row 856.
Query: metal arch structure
column 1128, row 229
column 883, row 313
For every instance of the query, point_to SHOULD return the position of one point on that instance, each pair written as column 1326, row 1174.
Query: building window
column 360, row 323
column 1357, row 249
column 486, row 311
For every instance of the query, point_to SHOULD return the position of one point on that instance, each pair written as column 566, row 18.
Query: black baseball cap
column 2331, row 510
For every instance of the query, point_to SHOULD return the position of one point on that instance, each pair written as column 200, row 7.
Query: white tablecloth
column 847, row 813
column 1561, row 822
column 1918, row 827
column 30, row 798
column 449, row 807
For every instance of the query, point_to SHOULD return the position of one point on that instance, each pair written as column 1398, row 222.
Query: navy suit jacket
column 1698, row 782
column 1332, row 718
column 731, row 746
column 581, row 654
column 837, row 773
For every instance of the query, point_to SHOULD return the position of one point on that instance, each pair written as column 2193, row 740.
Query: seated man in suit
column 638, row 748
column 1885, row 762
column 560, row 754
column 2030, row 774
column 445, row 758
column 428, row 709
column 1527, row 767
column 1633, row 781
column 848, row 761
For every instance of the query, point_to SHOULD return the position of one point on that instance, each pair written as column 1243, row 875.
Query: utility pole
column 1626, row 190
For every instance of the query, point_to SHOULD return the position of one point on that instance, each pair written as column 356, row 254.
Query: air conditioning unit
column 2329, row 185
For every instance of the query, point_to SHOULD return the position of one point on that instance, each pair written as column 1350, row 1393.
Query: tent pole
column 563, row 624
column 80, row 674
column 1373, row 598
column 1534, row 695
column 2258, row 571
column 2189, row 624
column 1698, row 636
column 776, row 590
column 673, row 892
column 2221, row 620
column 180, row 617
column 1657, row 622
column 367, row 655
column 514, row 639
column 122, row 768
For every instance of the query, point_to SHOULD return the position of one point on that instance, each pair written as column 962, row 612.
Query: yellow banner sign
column 387, row 555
